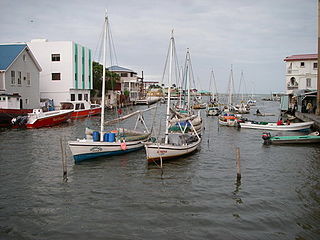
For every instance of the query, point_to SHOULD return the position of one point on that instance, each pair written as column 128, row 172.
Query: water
column 197, row 197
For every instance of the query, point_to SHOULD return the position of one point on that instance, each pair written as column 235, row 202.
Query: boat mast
column 212, row 89
column 188, row 77
column 230, row 88
column 103, row 76
column 169, row 88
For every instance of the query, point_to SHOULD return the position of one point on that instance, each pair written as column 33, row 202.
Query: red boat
column 38, row 118
column 81, row 109
column 6, row 115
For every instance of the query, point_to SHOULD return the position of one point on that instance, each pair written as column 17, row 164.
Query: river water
column 196, row 197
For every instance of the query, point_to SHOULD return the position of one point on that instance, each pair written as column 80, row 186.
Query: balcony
column 293, row 86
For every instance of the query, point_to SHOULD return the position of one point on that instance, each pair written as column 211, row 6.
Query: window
column 308, row 82
column 27, row 101
column 28, row 79
column 315, row 65
column 79, row 97
column 56, row 76
column 55, row 57
column 302, row 64
column 86, row 97
column 24, row 57
column 73, row 97
column 81, row 106
column 13, row 77
column 123, row 74
column 19, row 78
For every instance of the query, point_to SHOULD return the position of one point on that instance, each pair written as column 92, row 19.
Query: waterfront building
column 301, row 82
column 301, row 72
column 130, row 81
column 19, row 77
column 66, row 70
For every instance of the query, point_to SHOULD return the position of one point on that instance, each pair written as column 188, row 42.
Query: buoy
column 123, row 145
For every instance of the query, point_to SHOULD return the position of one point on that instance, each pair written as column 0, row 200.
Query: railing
column 291, row 86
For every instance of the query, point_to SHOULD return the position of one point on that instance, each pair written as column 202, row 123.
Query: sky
column 252, row 36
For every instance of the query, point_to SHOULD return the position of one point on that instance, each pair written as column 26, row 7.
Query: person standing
column 309, row 107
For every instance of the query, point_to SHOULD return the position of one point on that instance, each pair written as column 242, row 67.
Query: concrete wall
column 75, row 68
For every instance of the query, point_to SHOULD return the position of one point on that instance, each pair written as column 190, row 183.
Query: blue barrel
column 111, row 137
column 96, row 136
column 106, row 137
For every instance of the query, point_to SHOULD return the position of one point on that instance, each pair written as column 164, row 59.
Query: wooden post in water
column 238, row 164
column 64, row 162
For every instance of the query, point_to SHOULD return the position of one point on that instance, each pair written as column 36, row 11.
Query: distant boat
column 213, row 111
column 273, row 126
column 81, row 109
column 229, row 119
column 38, row 119
column 310, row 138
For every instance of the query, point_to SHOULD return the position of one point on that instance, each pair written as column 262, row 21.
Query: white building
column 129, row 81
column 301, row 72
column 66, row 70
column 19, row 77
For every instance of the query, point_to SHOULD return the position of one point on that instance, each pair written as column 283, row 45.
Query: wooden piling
column 64, row 162
column 238, row 164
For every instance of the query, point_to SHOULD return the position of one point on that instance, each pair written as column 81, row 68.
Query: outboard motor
column 266, row 137
column 20, row 121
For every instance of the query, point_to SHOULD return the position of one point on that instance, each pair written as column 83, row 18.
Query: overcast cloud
column 254, row 36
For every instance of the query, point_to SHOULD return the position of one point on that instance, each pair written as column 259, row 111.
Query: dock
column 309, row 117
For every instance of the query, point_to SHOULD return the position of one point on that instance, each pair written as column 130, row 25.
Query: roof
column 8, row 53
column 119, row 69
column 302, row 57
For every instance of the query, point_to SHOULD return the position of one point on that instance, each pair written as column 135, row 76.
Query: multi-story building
column 129, row 81
column 301, row 72
column 66, row 70
column 19, row 77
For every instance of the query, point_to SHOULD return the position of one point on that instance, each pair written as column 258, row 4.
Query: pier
column 309, row 117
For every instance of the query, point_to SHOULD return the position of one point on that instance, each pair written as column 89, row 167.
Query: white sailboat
column 184, row 112
column 213, row 105
column 103, row 143
column 175, row 144
column 242, row 108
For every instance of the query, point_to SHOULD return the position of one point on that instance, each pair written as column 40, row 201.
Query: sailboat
column 228, row 116
column 109, row 143
column 175, row 144
column 183, row 112
column 242, row 108
column 213, row 106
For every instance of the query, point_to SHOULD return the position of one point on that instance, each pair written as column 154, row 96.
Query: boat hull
column 85, row 113
column 50, row 120
column 293, row 140
column 83, row 150
column 275, row 127
column 168, row 151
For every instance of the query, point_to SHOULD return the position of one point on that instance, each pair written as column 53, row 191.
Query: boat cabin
column 77, row 105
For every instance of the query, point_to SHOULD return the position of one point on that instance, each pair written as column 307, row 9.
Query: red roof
column 302, row 57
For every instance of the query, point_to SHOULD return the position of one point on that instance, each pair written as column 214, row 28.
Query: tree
column 111, row 79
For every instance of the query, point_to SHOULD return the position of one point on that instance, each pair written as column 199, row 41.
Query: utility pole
column 318, row 67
